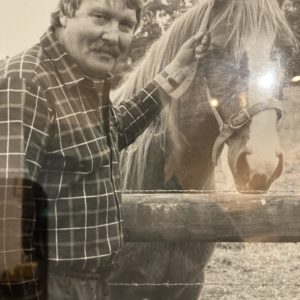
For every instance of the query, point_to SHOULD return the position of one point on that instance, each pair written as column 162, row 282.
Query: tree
column 291, row 10
column 157, row 16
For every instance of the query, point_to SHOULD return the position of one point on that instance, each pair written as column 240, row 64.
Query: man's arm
column 136, row 114
column 23, row 133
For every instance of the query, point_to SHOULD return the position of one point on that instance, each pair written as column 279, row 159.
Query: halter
column 236, row 121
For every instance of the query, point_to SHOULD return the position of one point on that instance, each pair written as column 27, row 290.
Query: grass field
column 253, row 271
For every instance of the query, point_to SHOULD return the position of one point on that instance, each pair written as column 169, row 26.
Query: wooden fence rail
column 211, row 217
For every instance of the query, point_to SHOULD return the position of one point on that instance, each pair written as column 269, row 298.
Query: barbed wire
column 268, row 193
column 169, row 284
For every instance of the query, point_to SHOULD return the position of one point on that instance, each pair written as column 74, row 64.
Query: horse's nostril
column 259, row 182
column 253, row 179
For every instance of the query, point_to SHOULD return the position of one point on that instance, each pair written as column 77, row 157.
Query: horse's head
column 242, row 74
column 240, row 78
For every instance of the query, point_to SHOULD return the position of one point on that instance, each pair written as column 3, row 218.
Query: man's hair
column 69, row 7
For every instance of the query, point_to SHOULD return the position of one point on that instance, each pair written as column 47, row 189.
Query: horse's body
column 175, row 153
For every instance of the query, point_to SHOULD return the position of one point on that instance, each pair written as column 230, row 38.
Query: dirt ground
column 263, row 271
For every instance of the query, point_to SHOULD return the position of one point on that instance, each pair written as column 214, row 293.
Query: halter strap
column 235, row 122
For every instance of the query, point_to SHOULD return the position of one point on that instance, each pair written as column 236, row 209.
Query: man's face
column 99, row 35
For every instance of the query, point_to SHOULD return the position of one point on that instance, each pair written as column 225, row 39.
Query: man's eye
column 101, row 17
column 127, row 26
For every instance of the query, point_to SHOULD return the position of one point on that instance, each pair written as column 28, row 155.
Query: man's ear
column 63, row 19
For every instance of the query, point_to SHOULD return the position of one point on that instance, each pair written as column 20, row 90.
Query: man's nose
column 111, row 32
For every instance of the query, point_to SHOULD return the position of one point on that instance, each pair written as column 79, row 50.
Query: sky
column 22, row 22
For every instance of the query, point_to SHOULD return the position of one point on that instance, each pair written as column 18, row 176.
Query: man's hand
column 177, row 77
column 193, row 49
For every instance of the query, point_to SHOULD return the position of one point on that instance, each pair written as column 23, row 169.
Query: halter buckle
column 239, row 119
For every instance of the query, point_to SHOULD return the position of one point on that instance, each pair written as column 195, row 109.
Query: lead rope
column 213, row 107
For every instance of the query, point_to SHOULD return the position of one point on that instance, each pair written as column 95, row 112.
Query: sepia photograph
column 149, row 149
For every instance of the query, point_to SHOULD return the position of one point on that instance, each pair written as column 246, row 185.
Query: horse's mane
column 250, row 21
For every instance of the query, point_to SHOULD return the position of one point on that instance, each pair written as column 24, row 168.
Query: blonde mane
column 249, row 21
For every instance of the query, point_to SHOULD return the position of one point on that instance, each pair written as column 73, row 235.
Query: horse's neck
column 189, row 144
column 191, row 165
column 179, row 158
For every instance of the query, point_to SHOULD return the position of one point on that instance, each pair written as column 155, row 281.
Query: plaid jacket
column 59, row 162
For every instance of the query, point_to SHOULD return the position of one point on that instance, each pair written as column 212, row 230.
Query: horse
column 232, row 100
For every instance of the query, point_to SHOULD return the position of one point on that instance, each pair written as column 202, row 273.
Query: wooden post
column 211, row 217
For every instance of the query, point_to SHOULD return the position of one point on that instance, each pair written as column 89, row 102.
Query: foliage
column 291, row 9
column 157, row 16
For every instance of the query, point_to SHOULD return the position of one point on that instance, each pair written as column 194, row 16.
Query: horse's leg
column 156, row 264
column 141, row 266
column 187, row 262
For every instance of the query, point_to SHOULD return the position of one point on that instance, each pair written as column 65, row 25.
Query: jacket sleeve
column 135, row 115
column 24, row 119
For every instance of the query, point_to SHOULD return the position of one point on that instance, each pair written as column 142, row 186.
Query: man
column 59, row 152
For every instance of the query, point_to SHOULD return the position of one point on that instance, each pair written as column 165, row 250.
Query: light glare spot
column 214, row 102
column 267, row 81
column 295, row 79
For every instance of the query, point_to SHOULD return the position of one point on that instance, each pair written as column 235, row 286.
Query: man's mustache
column 110, row 50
